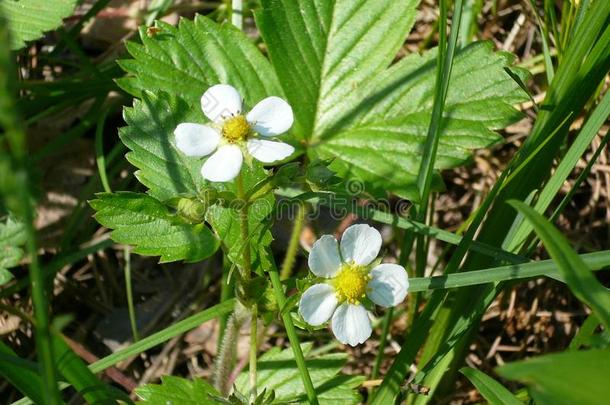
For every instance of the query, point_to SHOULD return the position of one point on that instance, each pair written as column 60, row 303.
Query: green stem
column 253, row 350
column 130, row 306
column 245, row 234
column 40, row 301
column 385, row 329
column 292, row 337
column 246, row 277
column 293, row 245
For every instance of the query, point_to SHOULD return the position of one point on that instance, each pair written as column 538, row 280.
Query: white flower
column 233, row 136
column 351, row 277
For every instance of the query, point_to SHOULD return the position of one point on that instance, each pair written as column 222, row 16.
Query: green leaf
column 322, row 51
column 494, row 392
column 185, row 60
column 176, row 390
column 564, row 378
column 573, row 269
column 382, row 138
column 149, row 135
column 12, row 236
column 143, row 221
column 29, row 19
column 277, row 371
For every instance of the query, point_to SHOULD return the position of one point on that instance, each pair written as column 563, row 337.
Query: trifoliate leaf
column 29, row 19
column 176, row 390
column 142, row 221
column 277, row 371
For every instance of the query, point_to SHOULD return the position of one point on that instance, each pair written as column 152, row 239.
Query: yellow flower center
column 236, row 129
column 350, row 283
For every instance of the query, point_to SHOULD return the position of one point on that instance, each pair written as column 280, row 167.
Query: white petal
column 351, row 324
column 221, row 101
column 196, row 139
column 271, row 116
column 317, row 304
column 388, row 286
column 269, row 151
column 360, row 243
column 324, row 260
column 224, row 165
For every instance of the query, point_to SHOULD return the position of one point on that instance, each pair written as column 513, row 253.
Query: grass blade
column 163, row 335
column 16, row 190
column 547, row 268
column 22, row 374
column 494, row 392
column 574, row 270
column 552, row 187
column 293, row 337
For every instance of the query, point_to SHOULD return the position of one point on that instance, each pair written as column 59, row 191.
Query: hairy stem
column 293, row 245
column 225, row 358
column 253, row 350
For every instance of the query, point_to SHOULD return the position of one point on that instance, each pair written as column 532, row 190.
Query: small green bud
column 191, row 209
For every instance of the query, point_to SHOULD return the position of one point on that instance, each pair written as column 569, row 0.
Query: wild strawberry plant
column 228, row 136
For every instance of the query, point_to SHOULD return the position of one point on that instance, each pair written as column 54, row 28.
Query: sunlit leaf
column 29, row 19
column 176, row 390
column 494, row 392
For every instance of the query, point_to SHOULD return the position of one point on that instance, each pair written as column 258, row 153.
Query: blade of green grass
column 292, row 336
column 128, row 290
column 389, row 387
column 16, row 157
column 163, row 335
column 574, row 84
column 100, row 158
column 580, row 179
column 546, row 51
column 494, row 392
column 569, row 161
column 574, row 270
column 547, row 268
column 587, row 329
column 22, row 374
column 75, row 371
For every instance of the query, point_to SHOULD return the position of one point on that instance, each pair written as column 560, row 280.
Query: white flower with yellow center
column 351, row 278
column 232, row 135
